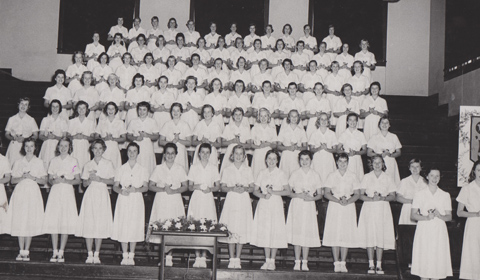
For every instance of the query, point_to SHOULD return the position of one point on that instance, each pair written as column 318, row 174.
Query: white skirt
column 269, row 230
column 431, row 250
column 289, row 162
column 469, row 268
column 112, row 153
column 81, row 151
column 324, row 164
column 61, row 212
column 166, row 206
column 129, row 218
column 258, row 161
column 25, row 212
column 375, row 226
column 237, row 214
column 302, row 225
column 95, row 219
column 202, row 205
column 340, row 226
column 146, row 157
column 47, row 152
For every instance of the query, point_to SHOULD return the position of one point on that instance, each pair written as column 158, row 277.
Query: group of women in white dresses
column 254, row 115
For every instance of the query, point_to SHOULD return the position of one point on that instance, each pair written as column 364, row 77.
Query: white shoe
column 379, row 270
column 54, row 259
column 305, row 265
column 196, row 264
column 238, row 263
column 231, row 263
column 203, row 262
column 265, row 264
column 61, row 259
column 20, row 256
column 371, row 270
column 26, row 256
column 271, row 265
column 337, row 267
column 343, row 267
column 131, row 260
column 124, row 259
column 297, row 265
column 168, row 260
column 89, row 258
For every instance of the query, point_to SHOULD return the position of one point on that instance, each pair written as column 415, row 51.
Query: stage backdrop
column 468, row 141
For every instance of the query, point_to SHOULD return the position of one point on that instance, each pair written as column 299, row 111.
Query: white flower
column 165, row 227
column 168, row 223
column 203, row 187
column 178, row 225
column 191, row 227
column 154, row 227
column 223, row 228
column 202, row 221
column 176, row 220
column 212, row 228
column 203, row 228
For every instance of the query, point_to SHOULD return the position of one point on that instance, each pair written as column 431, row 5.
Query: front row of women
column 430, row 206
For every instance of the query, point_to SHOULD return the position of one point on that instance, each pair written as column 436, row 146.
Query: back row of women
column 423, row 202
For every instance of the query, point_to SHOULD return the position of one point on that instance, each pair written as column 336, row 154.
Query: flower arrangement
column 187, row 224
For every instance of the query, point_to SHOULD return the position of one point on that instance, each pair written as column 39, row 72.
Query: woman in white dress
column 112, row 131
column 75, row 71
column 138, row 93
column 101, row 72
column 235, row 133
column 217, row 100
column 359, row 82
column 265, row 99
column 388, row 146
column 250, row 38
column 302, row 225
column 345, row 60
column 343, row 107
column 61, row 93
column 432, row 208
column 240, row 98
column 113, row 94
column 469, row 198
column 204, row 180
column 61, row 211
column 192, row 102
column 81, row 130
column 292, row 102
column 25, row 211
column 269, row 230
column 126, row 72
column 237, row 181
column 171, row 32
column 264, row 138
column 323, row 144
column 315, row 107
column 340, row 233
column 372, row 109
column 353, row 143
column 232, row 36
column 162, row 100
column 52, row 128
column 207, row 131
column 367, row 58
column 291, row 140
column 144, row 131
column 409, row 186
column 18, row 128
column 375, row 224
column 5, row 175
column 116, row 51
column 178, row 132
column 168, row 181
column 93, row 51
column 160, row 53
column 150, row 72
column 95, row 220
column 131, row 180
column 287, row 38
column 89, row 94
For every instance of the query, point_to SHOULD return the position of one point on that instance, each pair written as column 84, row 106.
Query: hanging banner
column 468, row 141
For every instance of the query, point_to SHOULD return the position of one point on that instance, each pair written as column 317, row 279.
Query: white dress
column 315, row 105
column 129, row 217
column 116, row 128
column 219, row 103
column 61, row 215
column 367, row 58
column 341, row 221
column 95, row 218
column 269, row 230
column 166, row 99
column 135, row 96
column 211, row 132
column 261, row 134
column 431, row 246
column 353, row 141
column 81, row 147
column 183, row 130
column 470, row 197
column 408, row 188
column 379, row 143
column 62, row 94
column 116, row 61
column 24, row 127
column 340, row 106
column 58, row 127
column 146, row 156
column 202, row 204
column 323, row 162
column 196, row 100
column 25, row 211
column 125, row 75
column 237, row 211
column 167, row 206
column 375, row 224
column 4, row 169
column 231, row 131
column 73, row 70
column 288, row 137
column 302, row 225
column 370, row 127
column 89, row 95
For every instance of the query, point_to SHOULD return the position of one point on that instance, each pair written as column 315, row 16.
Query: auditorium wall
column 33, row 56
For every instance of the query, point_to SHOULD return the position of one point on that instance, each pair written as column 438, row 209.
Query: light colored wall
column 29, row 31
column 287, row 11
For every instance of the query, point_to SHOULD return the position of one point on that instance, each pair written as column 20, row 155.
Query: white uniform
column 73, row 70
column 202, row 204
column 353, row 141
column 125, row 75
column 90, row 50
column 470, row 197
column 261, row 134
column 183, row 130
column 196, row 100
column 4, row 169
column 89, row 95
column 302, row 225
column 129, row 218
column 24, row 127
column 133, row 97
column 333, row 42
column 390, row 143
column 408, row 188
column 61, row 216
column 366, row 58
column 116, row 61
column 81, row 147
column 116, row 128
column 56, row 126
column 341, row 106
column 211, row 132
column 118, row 29
column 323, row 162
column 146, row 157
column 371, row 121
column 231, row 131
column 431, row 246
column 62, row 94
column 289, row 136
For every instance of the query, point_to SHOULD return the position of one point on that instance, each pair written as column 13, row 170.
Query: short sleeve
column 447, row 202
column 463, row 195
column 417, row 200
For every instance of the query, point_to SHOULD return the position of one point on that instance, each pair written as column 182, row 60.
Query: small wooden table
column 188, row 240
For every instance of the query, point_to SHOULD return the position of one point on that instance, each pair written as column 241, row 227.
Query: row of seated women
column 423, row 202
